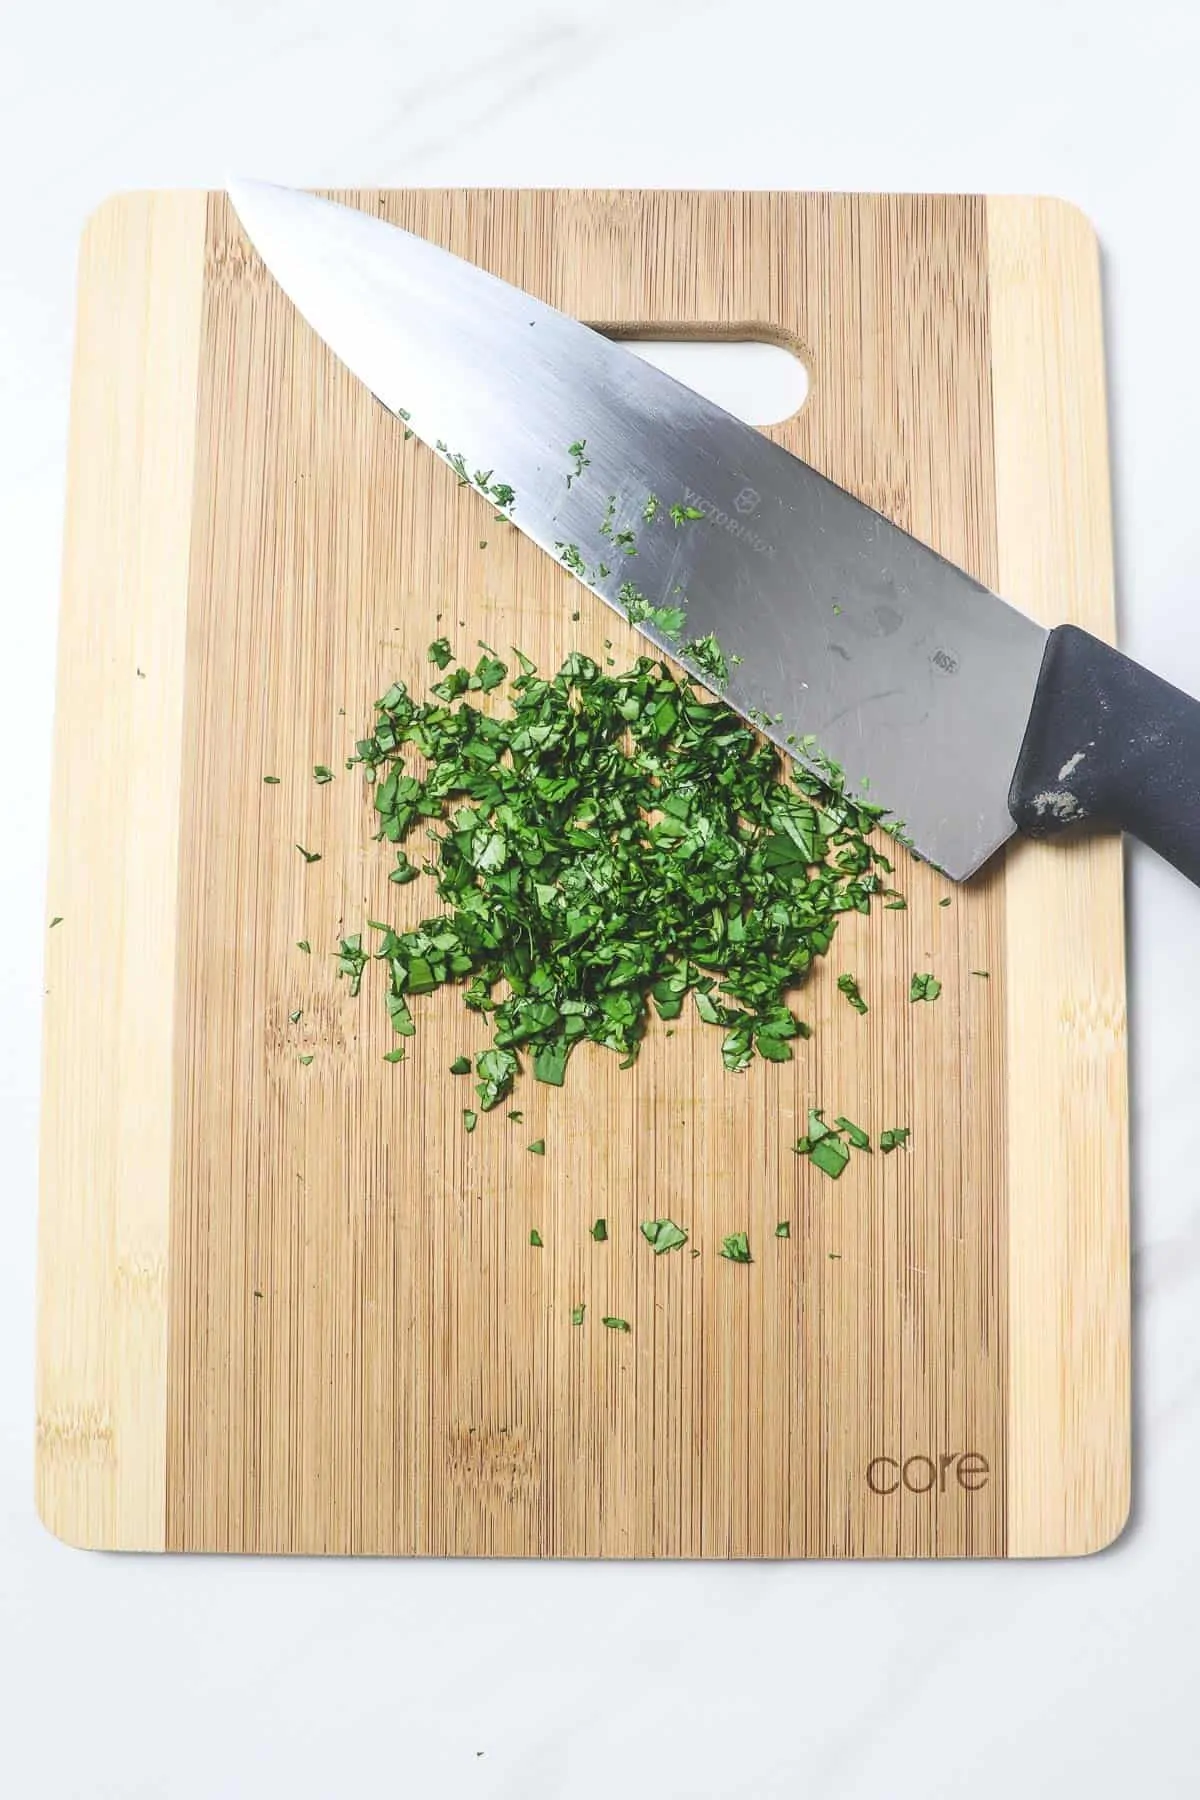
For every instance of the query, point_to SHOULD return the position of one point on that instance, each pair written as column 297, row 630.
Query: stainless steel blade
column 839, row 625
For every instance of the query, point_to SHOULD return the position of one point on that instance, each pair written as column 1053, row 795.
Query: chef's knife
column 843, row 635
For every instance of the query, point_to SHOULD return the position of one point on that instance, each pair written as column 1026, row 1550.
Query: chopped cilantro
column 535, row 1240
column 608, row 845
column 469, row 1119
column 857, row 1136
column 577, row 1313
column 848, row 985
column 538, row 1147
column 650, row 508
column 783, row 1229
column 576, row 452
column 439, row 652
column 599, row 1230
column 981, row 972
column 352, row 960
column 310, row 856
column 295, row 1017
column 891, row 1140
column 945, row 900
column 56, row 920
column 663, row 1235
column 305, row 1060
column 615, row 1324
column 461, row 1065
column 321, row 774
column 681, row 514
column 303, row 944
column 708, row 656
column 924, row 987
column 830, row 1155
column 270, row 781
column 396, row 1055
column 736, row 1247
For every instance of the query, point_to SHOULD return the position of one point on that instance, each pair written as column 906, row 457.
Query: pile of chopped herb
column 616, row 842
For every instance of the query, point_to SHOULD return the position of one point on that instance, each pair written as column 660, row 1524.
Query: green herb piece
column 848, row 985
column 321, row 774
column 514, row 1118
column 783, row 1229
column 496, row 1070
column 577, row 1313
column 981, row 972
column 461, row 1065
column 650, row 508
column 404, row 871
column 599, row 1231
column 469, row 1119
column 303, row 944
column 625, row 542
column 681, row 514
column 708, row 656
column 305, row 1060
column 891, row 1140
column 535, row 1240
column 896, row 904
column 615, row 1324
column 396, row 1055
column 924, row 987
column 568, row 555
column 270, row 781
column 857, row 1136
column 945, row 900
column 352, row 960
column 830, row 1155
column 736, row 1247
column 537, row 1148
column 576, row 451
column 483, row 543
column 56, row 920
column 836, row 607
column 310, row 856
column 439, row 652
column 295, row 1017
column 575, row 617
column 663, row 1235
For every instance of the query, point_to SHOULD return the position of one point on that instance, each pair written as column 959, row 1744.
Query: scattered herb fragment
column 305, row 1060
column 470, row 1119
column 681, row 514
column 396, row 1055
column 783, row 1229
column 514, row 1118
column 848, row 985
column 615, row 1324
column 461, row 1065
column 577, row 1313
column 982, row 972
column 576, row 451
column 599, row 1230
column 924, row 987
column 736, row 1247
column 893, row 1139
column 535, row 1240
column 56, row 920
column 352, row 960
column 708, row 656
column 439, row 652
column 296, row 1016
column 310, row 856
column 270, row 781
column 496, row 1070
column 321, row 774
column 663, row 1235
column 857, row 1136
column 303, row 944
column 650, row 508
column 945, row 900
column 538, row 1147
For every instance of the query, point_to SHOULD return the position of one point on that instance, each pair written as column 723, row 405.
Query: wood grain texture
column 364, row 1353
column 1068, row 1270
column 110, row 966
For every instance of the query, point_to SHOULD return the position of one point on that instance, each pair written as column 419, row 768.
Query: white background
column 197, row 1677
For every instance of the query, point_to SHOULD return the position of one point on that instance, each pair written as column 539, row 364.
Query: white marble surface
column 195, row 1677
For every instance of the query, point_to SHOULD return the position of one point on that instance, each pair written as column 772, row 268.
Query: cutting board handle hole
column 762, row 381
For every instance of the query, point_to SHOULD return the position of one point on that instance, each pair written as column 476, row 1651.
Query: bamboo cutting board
column 291, row 1306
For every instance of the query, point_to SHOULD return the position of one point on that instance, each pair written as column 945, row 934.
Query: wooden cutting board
column 290, row 1306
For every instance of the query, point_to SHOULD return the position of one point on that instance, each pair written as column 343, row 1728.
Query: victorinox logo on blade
column 744, row 502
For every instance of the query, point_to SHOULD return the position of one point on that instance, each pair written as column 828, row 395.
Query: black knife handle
column 1110, row 744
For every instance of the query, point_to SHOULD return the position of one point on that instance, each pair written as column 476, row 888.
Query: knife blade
column 842, row 636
